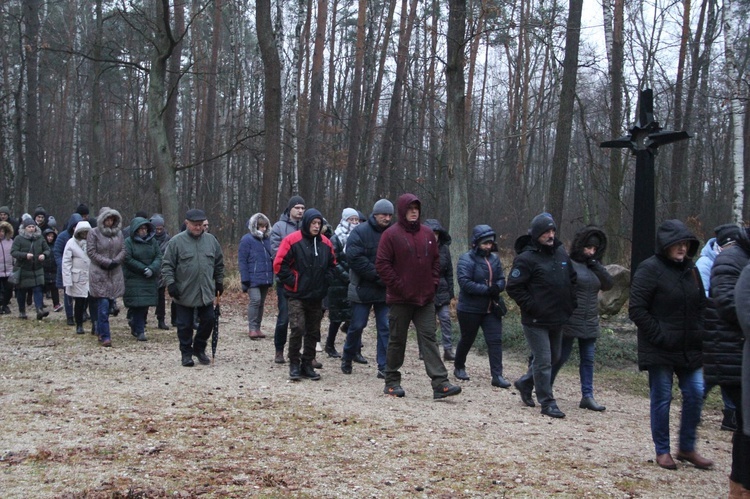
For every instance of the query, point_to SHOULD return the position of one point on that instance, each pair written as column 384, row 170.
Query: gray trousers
column 545, row 344
column 255, row 307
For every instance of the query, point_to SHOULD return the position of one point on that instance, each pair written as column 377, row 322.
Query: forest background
column 489, row 110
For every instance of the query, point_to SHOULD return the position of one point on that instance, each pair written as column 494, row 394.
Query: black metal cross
column 644, row 139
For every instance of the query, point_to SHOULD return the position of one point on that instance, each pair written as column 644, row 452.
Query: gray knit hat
column 541, row 224
column 384, row 207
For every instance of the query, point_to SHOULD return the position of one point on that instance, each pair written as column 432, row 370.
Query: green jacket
column 195, row 265
column 32, row 271
column 140, row 254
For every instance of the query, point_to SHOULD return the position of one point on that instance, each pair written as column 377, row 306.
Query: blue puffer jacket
column 476, row 272
column 256, row 264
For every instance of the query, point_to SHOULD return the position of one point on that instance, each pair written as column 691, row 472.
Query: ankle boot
column 729, row 423
column 41, row 313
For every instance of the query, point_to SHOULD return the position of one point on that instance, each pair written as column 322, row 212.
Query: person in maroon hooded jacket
column 408, row 262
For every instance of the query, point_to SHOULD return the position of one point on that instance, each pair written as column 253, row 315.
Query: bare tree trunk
column 271, row 106
column 737, row 114
column 311, row 160
column 560, row 157
column 97, row 134
column 355, row 120
column 455, row 127
column 166, row 185
column 678, row 169
column 390, row 150
column 35, row 188
column 613, row 25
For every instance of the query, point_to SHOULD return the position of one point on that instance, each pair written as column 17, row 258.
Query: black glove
column 494, row 291
column 173, row 291
column 591, row 263
column 113, row 265
column 219, row 288
column 245, row 286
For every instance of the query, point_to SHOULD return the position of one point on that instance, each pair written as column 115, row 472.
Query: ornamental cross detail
column 644, row 140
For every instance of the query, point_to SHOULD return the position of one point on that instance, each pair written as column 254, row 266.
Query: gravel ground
column 80, row 420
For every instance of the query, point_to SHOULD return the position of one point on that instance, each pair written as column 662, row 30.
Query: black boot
column 294, row 371
column 163, row 325
column 79, row 329
column 449, row 355
column 309, row 373
column 331, row 351
column 41, row 313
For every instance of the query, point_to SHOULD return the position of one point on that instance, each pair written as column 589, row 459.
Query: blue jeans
column 446, row 328
column 360, row 315
column 102, row 318
column 36, row 291
column 586, row 350
column 282, row 320
column 660, row 380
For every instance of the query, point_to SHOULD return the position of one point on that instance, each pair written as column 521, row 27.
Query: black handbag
column 498, row 308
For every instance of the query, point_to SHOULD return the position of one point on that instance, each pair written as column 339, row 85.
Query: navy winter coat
column 365, row 286
column 254, row 254
column 476, row 272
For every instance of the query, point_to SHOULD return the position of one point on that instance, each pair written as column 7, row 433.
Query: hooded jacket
column 304, row 263
column 477, row 271
column 444, row 293
column 254, row 254
column 285, row 225
column 365, row 285
column 6, row 259
column 408, row 259
column 141, row 253
column 542, row 282
column 32, row 271
column 723, row 338
column 591, row 277
column 667, row 302
column 75, row 263
column 106, row 249
column 50, row 265
column 62, row 239
column 742, row 292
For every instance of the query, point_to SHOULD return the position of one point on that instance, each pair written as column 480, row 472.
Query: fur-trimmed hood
column 252, row 226
column 105, row 213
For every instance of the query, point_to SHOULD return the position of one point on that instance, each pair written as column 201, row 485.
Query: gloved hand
column 591, row 263
column 219, row 288
column 494, row 291
column 245, row 286
column 148, row 272
column 113, row 265
column 173, row 291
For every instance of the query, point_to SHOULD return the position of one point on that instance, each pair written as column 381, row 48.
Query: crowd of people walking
column 690, row 319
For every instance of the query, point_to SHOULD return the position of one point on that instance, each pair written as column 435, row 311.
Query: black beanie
column 294, row 201
column 541, row 224
column 82, row 209
column 594, row 240
column 727, row 233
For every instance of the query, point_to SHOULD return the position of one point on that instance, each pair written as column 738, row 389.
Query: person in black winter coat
column 543, row 284
column 481, row 280
column 667, row 303
column 444, row 294
column 742, row 295
column 50, row 271
column 723, row 341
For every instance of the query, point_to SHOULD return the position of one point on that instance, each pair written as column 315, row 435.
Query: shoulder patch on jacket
column 515, row 273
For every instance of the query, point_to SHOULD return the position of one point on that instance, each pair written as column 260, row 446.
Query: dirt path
column 84, row 421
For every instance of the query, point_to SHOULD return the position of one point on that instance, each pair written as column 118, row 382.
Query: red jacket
column 408, row 259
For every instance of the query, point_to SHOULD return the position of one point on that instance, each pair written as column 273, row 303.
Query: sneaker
column 346, row 366
column 381, row 374
column 394, row 391
column 309, row 373
column 318, row 348
column 360, row 359
column 279, row 359
column 202, row 357
column 187, row 360
column 447, row 390
column 58, row 307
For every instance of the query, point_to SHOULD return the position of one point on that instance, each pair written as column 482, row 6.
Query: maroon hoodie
column 408, row 259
